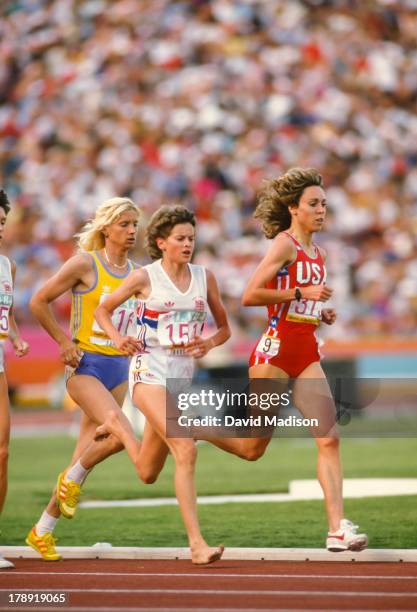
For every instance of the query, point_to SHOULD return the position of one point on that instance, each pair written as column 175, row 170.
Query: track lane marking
column 226, row 592
column 148, row 609
column 213, row 575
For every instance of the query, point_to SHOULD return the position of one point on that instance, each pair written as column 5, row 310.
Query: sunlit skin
column 79, row 274
column 307, row 217
column 176, row 249
column 3, row 218
column 121, row 237
column 21, row 347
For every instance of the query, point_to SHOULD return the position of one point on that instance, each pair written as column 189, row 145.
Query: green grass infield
column 389, row 521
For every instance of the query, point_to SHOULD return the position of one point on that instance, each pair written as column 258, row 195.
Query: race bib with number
column 6, row 301
column 139, row 368
column 123, row 319
column 267, row 347
column 177, row 328
column 305, row 311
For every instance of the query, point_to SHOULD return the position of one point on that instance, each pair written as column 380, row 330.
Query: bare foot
column 206, row 555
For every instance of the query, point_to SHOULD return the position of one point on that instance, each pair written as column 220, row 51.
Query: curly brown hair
column 279, row 194
column 161, row 224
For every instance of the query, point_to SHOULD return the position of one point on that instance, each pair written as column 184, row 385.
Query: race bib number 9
column 305, row 311
column 179, row 327
column 267, row 347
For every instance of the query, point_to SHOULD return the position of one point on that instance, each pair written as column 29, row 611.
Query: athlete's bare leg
column 251, row 448
column 89, row 451
column 313, row 398
column 4, row 437
column 152, row 402
column 152, row 455
column 100, row 406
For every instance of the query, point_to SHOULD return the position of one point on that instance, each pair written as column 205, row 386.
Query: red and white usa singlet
column 289, row 341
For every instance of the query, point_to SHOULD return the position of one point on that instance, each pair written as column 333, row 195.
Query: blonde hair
column 279, row 194
column 91, row 237
column 161, row 224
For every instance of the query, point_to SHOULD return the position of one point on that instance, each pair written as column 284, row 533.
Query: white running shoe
column 346, row 538
column 5, row 564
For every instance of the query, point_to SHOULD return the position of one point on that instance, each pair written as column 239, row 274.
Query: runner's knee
column 184, row 452
column 252, row 452
column 148, row 474
column 113, row 416
column 328, row 444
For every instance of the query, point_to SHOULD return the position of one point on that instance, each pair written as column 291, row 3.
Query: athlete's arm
column 21, row 347
column 75, row 271
column 134, row 284
column 328, row 315
column 199, row 347
column 281, row 253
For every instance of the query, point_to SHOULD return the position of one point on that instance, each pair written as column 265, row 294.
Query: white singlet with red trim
column 167, row 320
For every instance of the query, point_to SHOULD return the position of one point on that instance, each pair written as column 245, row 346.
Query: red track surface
column 226, row 585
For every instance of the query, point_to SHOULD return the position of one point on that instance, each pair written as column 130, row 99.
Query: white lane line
column 226, row 592
column 148, row 609
column 212, row 575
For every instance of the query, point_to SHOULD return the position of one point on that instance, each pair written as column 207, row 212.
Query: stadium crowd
column 196, row 102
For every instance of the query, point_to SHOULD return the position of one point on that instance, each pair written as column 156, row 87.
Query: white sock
column 46, row 524
column 77, row 473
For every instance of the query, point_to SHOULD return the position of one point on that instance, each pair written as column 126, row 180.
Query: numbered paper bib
column 139, row 367
column 267, row 347
column 123, row 319
column 176, row 328
column 6, row 301
column 305, row 311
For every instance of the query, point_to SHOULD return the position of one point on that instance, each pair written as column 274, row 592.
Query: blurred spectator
column 197, row 102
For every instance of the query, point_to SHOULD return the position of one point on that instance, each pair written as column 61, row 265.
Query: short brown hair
column 279, row 194
column 161, row 224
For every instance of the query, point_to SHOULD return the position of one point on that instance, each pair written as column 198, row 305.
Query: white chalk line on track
column 212, row 575
column 226, row 592
column 148, row 609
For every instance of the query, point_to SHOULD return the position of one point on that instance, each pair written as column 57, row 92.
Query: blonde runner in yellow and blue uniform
column 8, row 329
column 96, row 371
column 89, row 336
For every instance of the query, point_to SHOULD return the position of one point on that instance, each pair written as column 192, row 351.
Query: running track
column 232, row 586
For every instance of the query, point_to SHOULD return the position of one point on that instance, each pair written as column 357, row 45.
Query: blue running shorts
column 110, row 370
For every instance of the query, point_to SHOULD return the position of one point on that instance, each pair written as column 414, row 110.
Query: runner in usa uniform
column 290, row 342
column 291, row 282
column 8, row 330
column 175, row 297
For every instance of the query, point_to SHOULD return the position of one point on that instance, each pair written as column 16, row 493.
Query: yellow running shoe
column 67, row 495
column 43, row 544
